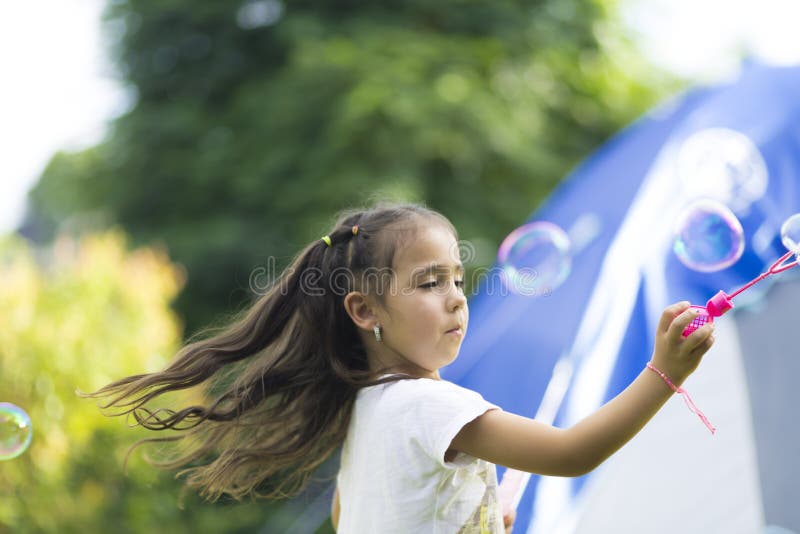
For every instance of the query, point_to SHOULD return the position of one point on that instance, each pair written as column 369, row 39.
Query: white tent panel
column 675, row 476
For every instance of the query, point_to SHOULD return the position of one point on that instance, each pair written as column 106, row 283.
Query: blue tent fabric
column 515, row 341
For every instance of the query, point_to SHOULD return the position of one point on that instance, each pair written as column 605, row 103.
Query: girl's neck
column 406, row 370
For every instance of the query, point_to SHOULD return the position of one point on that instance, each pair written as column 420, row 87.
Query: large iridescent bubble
column 790, row 233
column 15, row 431
column 708, row 236
column 535, row 258
column 724, row 165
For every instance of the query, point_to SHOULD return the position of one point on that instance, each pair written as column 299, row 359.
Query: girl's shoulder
column 412, row 392
column 420, row 384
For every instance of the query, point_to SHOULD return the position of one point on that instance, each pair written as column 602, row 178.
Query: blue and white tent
column 559, row 357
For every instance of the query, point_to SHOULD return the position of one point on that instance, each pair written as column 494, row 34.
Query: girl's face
column 426, row 315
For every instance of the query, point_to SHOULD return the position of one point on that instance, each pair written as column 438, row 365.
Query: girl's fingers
column 670, row 313
column 508, row 520
column 681, row 322
column 700, row 336
column 703, row 346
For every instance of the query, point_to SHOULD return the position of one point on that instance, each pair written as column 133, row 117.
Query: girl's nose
column 457, row 297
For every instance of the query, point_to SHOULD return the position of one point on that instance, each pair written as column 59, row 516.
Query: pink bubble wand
column 721, row 302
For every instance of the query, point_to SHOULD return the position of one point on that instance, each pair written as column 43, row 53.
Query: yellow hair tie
column 327, row 240
column 355, row 230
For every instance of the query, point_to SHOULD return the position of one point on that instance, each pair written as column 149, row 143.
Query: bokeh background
column 155, row 155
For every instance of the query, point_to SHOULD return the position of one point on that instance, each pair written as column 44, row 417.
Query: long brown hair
column 278, row 382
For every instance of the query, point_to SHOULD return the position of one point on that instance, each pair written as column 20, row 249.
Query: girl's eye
column 459, row 284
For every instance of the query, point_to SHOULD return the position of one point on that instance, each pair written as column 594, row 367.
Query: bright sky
column 58, row 90
column 702, row 39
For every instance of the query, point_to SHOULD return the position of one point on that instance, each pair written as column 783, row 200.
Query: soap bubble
column 724, row 165
column 535, row 258
column 708, row 236
column 790, row 233
column 15, row 431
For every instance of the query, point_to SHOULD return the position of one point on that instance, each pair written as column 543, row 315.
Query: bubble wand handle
column 721, row 302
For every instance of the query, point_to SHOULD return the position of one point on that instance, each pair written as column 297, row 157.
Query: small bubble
column 16, row 431
column 790, row 233
column 708, row 236
column 535, row 257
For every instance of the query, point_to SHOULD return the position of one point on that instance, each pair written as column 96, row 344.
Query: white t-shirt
column 393, row 476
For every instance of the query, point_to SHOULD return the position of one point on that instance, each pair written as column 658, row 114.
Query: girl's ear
column 360, row 310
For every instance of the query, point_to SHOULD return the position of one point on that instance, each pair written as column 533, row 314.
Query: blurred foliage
column 252, row 122
column 75, row 316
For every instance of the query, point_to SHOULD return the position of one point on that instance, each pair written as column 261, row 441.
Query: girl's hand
column 508, row 520
column 675, row 355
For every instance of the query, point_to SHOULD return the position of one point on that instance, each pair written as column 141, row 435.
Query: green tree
column 76, row 316
column 253, row 122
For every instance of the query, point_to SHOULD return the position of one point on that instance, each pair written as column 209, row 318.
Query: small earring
column 377, row 331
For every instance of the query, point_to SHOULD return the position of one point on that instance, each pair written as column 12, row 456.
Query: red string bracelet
column 685, row 395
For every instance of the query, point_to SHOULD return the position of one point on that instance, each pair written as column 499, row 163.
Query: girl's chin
column 451, row 359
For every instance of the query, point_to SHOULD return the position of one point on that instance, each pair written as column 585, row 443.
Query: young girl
column 344, row 350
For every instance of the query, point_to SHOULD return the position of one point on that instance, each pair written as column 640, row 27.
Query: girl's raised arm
column 528, row 445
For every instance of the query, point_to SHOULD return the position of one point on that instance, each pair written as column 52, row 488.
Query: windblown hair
column 279, row 382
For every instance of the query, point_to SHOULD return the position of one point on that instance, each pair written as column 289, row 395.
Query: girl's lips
column 455, row 332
